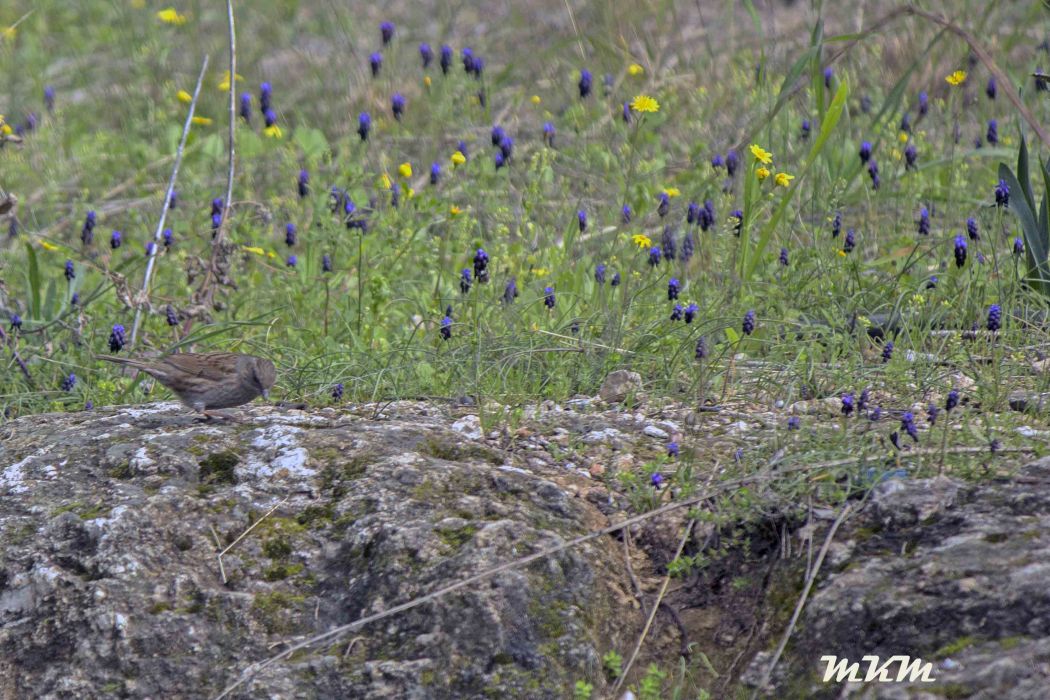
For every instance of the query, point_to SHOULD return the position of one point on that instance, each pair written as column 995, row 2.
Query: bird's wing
column 214, row 366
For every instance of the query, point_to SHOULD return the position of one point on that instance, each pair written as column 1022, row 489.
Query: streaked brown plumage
column 210, row 379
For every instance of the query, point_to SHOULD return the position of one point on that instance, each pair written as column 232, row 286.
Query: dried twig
column 244, row 534
column 144, row 297
column 652, row 613
column 802, row 600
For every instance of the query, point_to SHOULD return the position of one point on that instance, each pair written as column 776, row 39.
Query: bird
column 203, row 381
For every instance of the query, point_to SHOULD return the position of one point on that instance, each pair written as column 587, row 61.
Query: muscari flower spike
column 548, row 297
column 692, row 213
column 673, row 288
column 836, row 225
column 676, row 312
column 510, row 291
column 115, row 240
column 170, row 316
column 292, row 261
column 16, row 322
column 1018, row 246
column 924, row 222
column 337, row 391
column 908, row 426
column 468, row 59
column 435, row 173
column 924, row 103
column 906, row 123
column 960, row 251
column 376, row 62
column 581, row 218
column 665, row 204
column 615, row 282
column 931, row 414
column 386, row 30
column 397, row 105
column 992, row 135
column 290, row 237
column 70, row 271
column 738, row 215
column 599, row 273
column 850, row 242
column 887, row 351
column 246, row 107
column 717, row 162
column 990, row 88
column 87, row 234
column 951, row 401
column 873, row 172
column 446, row 58
column 174, row 199
column 847, row 404
column 995, row 318
column 446, row 327
column 626, row 213
column 151, row 247
column 862, row 400
column 465, row 280
column 783, row 257
column 506, row 147
column 911, row 155
column 732, row 162
column 865, row 104
column 481, row 264
column 1002, row 194
column 865, row 151
column 828, row 75
column 49, row 98
column 117, row 339
column 549, row 133
column 654, row 256
column 426, row 53
column 364, row 125
column 748, row 326
column 972, row 230
column 670, row 245
column 69, row 382
column 701, row 348
column 672, row 449
column 690, row 312
column 706, row 217
column 265, row 95
column 655, row 479
column 794, row 423
column 304, row 183
column 804, row 131
column 586, row 81
column 326, row 263
column 687, row 246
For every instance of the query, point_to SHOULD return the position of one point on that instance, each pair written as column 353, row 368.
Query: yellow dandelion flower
column 5, row 128
column 171, row 16
column 903, row 137
column 672, row 191
column 426, row 81
column 760, row 154
column 224, row 83
column 405, row 170
column 203, row 121
column 48, row 246
column 184, row 96
column 253, row 249
column 454, row 210
column 644, row 103
column 384, row 180
column 458, row 158
column 535, row 99
column 641, row 240
column 762, row 173
column 273, row 131
column 540, row 271
column 783, row 179
column 841, row 253
column 956, row 78
column 635, row 69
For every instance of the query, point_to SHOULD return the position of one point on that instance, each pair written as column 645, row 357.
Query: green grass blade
column 33, row 271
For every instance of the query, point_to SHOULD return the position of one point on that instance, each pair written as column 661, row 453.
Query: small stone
column 654, row 432
column 596, row 437
column 596, row 470
column 469, row 426
column 623, row 462
column 619, row 384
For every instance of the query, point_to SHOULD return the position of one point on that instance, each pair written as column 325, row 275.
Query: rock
column 831, row 405
column 1025, row 402
column 470, row 426
column 605, row 435
column 654, row 432
column 619, row 384
column 110, row 585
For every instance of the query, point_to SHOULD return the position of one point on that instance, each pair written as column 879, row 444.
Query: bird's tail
column 127, row 361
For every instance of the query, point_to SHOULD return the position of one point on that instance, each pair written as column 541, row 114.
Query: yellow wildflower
column 171, row 16
column 5, row 128
column 224, row 84
column 760, row 154
column 635, row 69
column 783, row 179
column 458, row 158
column 410, row 192
column 384, row 180
column 273, row 131
column 956, row 78
column 841, row 253
column 184, row 96
column 253, row 249
column 405, row 170
column 762, row 173
column 535, row 99
column 644, row 103
column 672, row 192
column 641, row 240
column 270, row 254
column 426, row 81
column 540, row 271
column 203, row 121
column 454, row 210
column 903, row 137
column 48, row 246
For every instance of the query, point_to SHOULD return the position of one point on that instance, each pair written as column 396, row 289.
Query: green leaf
column 34, row 282
column 732, row 335
column 1035, row 240
column 1022, row 173
column 312, row 142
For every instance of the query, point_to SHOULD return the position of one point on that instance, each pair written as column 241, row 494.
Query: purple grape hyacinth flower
column 397, row 105
column 654, row 256
column 850, row 242
column 386, row 30
column 326, row 263
column 828, row 75
column 992, row 135
column 169, row 238
column 376, row 62
column 873, row 172
column 924, row 222
column 748, row 326
column 292, row 261
column 246, row 107
column 446, row 58
column 364, row 125
column 49, row 98
column 887, row 351
column 971, row 229
column 676, row 312
column 990, row 88
column 549, row 133
column 510, row 291
column 995, row 318
column 115, row 240
column 690, row 312
column 865, row 151
column 446, row 327
column 170, row 317
column 290, row 234
column 836, row 225
column 960, row 251
column 951, row 401
column 732, row 162
column 805, row 129
column 70, row 272
column 794, row 423
column 911, row 155
column 673, row 288
column 581, row 218
column 337, row 392
column 717, row 162
column 1018, row 246
column 599, row 273
column 701, row 348
column 1002, row 194
column 672, row 449
column 435, row 173
column 481, row 264
column 548, row 297
column 586, row 81
column 626, row 213
column 69, row 382
column 924, row 103
column 783, row 259
column 465, row 280
column 265, row 95
column 847, row 404
column 739, row 223
column 16, row 322
column 908, row 426
column 692, row 213
column 665, row 204
column 117, row 339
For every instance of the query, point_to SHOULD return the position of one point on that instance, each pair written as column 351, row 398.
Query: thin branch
column 167, row 202
column 652, row 613
column 802, row 600
column 232, row 115
column 244, row 534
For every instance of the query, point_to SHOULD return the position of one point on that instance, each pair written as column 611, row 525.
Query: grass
column 725, row 76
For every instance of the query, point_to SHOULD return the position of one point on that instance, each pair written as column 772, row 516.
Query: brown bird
column 210, row 379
